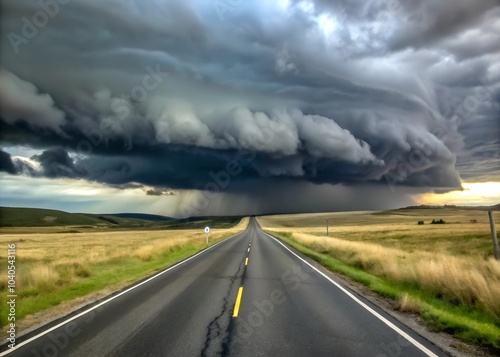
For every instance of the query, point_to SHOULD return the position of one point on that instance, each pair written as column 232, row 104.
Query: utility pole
column 496, row 250
column 327, row 227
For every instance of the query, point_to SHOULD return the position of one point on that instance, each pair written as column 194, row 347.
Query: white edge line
column 373, row 312
column 10, row 350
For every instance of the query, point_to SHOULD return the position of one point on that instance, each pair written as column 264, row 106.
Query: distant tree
column 420, row 223
column 439, row 221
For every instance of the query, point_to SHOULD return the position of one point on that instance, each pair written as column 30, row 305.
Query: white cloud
column 22, row 100
column 80, row 196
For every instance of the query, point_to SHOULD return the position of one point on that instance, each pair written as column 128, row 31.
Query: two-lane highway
column 247, row 296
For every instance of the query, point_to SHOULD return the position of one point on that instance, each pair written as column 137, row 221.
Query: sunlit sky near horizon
column 473, row 194
column 189, row 107
column 92, row 197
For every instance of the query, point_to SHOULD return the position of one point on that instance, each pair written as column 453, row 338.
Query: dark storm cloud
column 431, row 21
column 6, row 163
column 17, row 166
column 169, row 93
column 57, row 163
column 159, row 192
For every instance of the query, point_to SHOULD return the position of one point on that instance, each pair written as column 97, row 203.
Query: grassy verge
column 52, row 269
column 472, row 323
column 101, row 276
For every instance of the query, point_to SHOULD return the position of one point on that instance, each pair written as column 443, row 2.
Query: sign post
column 207, row 230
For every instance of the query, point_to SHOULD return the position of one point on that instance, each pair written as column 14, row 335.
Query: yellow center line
column 238, row 302
column 246, row 261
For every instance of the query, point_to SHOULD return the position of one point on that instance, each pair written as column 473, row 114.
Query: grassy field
column 445, row 272
column 53, row 269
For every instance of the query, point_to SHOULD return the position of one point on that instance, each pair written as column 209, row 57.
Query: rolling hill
column 38, row 217
column 35, row 217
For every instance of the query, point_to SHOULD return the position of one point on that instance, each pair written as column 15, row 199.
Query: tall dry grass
column 456, row 279
column 156, row 249
column 42, row 277
column 51, row 267
column 465, row 233
column 47, row 261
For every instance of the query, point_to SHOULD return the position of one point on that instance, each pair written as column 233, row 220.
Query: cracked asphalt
column 287, row 308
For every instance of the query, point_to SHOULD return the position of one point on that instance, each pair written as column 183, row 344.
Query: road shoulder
column 450, row 345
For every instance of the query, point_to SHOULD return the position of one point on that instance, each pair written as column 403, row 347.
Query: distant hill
column 131, row 219
column 494, row 207
column 39, row 217
column 143, row 216
column 203, row 221
column 410, row 209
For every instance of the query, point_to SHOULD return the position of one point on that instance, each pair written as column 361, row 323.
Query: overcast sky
column 216, row 107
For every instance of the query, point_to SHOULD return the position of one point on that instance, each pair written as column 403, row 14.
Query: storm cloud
column 178, row 94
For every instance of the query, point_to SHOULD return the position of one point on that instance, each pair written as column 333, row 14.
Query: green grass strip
column 469, row 325
column 112, row 274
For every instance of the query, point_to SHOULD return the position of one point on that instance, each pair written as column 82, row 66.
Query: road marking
column 248, row 250
column 10, row 350
column 373, row 312
column 238, row 302
column 246, row 261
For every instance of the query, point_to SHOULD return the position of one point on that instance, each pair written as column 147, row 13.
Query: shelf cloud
column 181, row 94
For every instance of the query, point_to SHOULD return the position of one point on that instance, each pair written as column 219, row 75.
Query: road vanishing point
column 249, row 295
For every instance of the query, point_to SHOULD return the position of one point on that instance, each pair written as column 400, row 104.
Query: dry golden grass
column 46, row 260
column 150, row 251
column 453, row 260
column 50, row 266
column 406, row 303
column 42, row 277
column 459, row 236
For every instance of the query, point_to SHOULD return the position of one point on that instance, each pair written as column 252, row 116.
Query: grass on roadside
column 56, row 268
column 453, row 294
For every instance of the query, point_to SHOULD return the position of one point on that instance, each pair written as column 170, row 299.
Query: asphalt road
column 219, row 303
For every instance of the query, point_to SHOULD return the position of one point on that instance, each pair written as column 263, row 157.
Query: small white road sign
column 207, row 230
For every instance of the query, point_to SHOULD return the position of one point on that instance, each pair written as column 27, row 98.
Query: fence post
column 496, row 250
